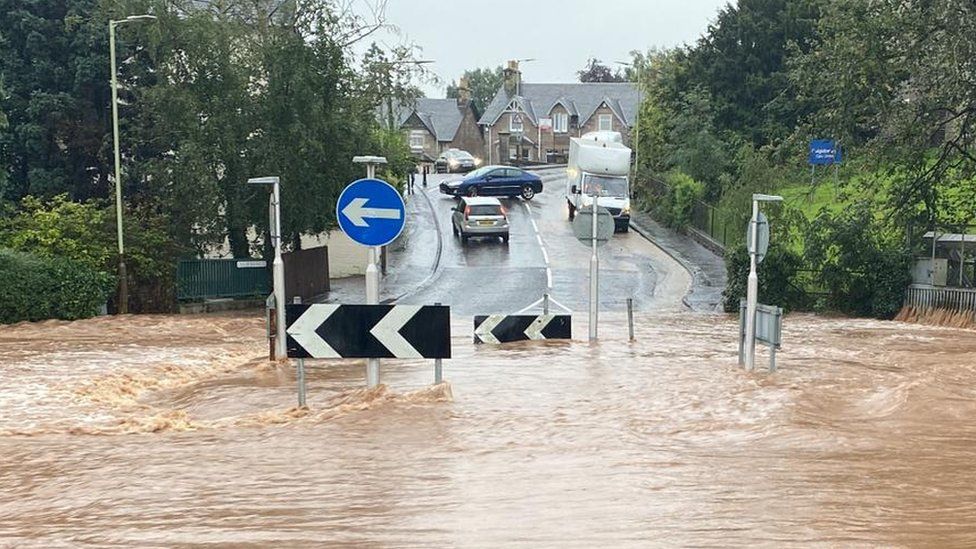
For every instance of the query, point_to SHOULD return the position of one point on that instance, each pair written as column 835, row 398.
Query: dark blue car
column 495, row 181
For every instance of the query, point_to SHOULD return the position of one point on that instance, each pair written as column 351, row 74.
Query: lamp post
column 123, row 279
column 278, row 265
column 752, row 289
column 637, row 68
column 372, row 274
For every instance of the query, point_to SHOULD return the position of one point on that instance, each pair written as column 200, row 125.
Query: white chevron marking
column 484, row 330
column 303, row 331
column 387, row 331
column 534, row 331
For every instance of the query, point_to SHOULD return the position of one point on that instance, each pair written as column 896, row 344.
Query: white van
column 599, row 166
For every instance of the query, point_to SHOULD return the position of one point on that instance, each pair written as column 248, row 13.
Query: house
column 528, row 122
column 434, row 125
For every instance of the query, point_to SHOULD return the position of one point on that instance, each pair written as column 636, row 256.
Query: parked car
column 495, row 181
column 455, row 161
column 479, row 216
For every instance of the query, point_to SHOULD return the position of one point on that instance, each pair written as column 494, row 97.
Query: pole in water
column 594, row 273
column 297, row 300
column 372, row 298
column 545, row 304
column 438, row 366
column 630, row 316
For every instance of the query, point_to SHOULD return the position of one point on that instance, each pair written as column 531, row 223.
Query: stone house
column 532, row 123
column 432, row 126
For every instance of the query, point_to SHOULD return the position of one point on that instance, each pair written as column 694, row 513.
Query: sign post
column 278, row 265
column 752, row 291
column 371, row 212
column 593, row 230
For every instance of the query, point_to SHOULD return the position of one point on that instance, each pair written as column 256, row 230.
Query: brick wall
column 593, row 124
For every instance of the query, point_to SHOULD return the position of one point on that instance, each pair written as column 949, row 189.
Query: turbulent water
column 174, row 431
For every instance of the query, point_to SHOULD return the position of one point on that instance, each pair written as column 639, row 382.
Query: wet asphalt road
column 486, row 276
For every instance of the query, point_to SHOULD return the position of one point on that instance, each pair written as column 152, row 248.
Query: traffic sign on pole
column 583, row 226
column 371, row 212
column 762, row 237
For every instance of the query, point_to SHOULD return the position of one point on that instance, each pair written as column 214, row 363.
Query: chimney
column 464, row 92
column 513, row 78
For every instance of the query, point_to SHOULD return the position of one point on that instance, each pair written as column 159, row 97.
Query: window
column 515, row 122
column 416, row 139
column 560, row 123
column 606, row 122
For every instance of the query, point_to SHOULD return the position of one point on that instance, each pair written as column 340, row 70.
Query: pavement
column 655, row 267
column 707, row 268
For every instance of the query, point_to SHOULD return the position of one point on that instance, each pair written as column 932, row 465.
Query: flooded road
column 174, row 431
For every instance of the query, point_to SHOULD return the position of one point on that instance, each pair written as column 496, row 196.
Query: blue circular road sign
column 371, row 212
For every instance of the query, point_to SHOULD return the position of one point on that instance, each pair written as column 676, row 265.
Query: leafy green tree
column 483, row 84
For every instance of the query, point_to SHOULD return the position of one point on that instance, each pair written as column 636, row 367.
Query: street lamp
column 278, row 266
column 638, row 70
column 123, row 279
column 752, row 290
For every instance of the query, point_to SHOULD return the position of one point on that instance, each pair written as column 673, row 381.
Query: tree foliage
column 595, row 71
column 483, row 84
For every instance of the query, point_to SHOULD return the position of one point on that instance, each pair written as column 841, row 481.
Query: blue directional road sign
column 824, row 152
column 370, row 211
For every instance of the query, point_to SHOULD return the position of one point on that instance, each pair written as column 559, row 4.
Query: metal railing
column 221, row 278
column 925, row 297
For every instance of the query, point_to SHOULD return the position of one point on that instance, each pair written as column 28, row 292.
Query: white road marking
column 542, row 245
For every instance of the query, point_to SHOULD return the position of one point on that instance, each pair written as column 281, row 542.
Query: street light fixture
column 123, row 278
column 278, row 265
column 637, row 69
column 752, row 289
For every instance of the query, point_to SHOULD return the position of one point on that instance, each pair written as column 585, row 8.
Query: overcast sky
column 560, row 34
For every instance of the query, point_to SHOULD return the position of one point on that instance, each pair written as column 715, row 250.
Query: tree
column 483, row 84
column 594, row 71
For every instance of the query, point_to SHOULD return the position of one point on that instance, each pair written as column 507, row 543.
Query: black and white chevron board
column 368, row 331
column 509, row 328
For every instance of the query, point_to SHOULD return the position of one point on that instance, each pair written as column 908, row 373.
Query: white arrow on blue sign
column 371, row 212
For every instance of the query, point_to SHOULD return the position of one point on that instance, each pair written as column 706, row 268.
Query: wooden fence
column 306, row 273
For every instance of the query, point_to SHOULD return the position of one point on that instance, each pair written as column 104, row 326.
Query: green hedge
column 36, row 288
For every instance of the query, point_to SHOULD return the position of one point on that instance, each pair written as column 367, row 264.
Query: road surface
column 486, row 276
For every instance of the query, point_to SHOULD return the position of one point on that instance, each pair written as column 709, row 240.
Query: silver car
column 479, row 216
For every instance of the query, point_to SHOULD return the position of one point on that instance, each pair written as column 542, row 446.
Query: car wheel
column 454, row 229
column 528, row 193
column 572, row 211
column 464, row 239
column 472, row 191
column 505, row 239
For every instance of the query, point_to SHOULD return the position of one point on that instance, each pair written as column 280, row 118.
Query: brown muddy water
column 173, row 431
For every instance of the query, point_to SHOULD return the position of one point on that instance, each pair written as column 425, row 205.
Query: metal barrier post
column 301, row 369
column 630, row 316
column 438, row 366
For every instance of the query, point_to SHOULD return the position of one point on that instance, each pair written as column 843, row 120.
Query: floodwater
column 175, row 431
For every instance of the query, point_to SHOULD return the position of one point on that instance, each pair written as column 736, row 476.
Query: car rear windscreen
column 485, row 210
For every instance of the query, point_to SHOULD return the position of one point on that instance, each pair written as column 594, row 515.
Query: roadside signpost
column 593, row 230
column 752, row 291
column 369, row 331
column 762, row 239
column 769, row 329
column 519, row 327
column 824, row 152
column 371, row 212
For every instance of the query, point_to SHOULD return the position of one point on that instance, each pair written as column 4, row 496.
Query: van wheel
column 528, row 193
column 572, row 211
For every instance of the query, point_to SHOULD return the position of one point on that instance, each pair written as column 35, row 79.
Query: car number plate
column 486, row 223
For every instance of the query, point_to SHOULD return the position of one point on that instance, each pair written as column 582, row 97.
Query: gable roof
column 579, row 98
column 442, row 117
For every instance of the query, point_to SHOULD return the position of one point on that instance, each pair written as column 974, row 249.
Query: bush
column 38, row 288
column 676, row 199
column 864, row 267
column 777, row 274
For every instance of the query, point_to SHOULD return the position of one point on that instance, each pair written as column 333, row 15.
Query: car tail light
column 467, row 211
column 504, row 211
